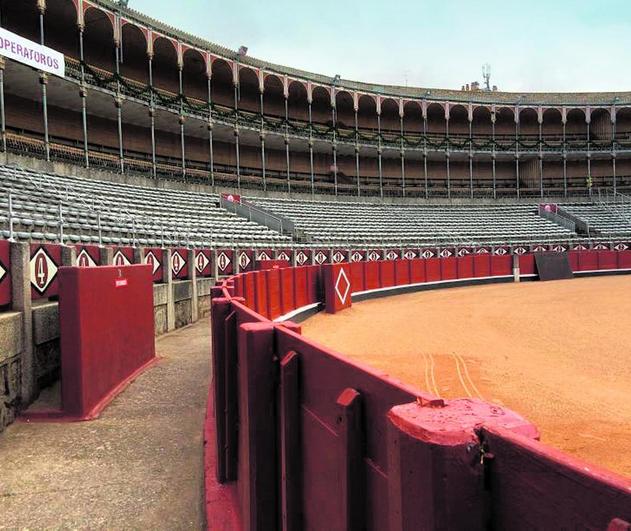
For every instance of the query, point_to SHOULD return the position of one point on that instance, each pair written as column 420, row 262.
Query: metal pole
column 61, row 224
column 402, row 158
column 334, row 146
column 287, row 144
column 11, row 232
column 43, row 79
column 311, row 151
column 3, row 121
column 98, row 223
column 379, row 155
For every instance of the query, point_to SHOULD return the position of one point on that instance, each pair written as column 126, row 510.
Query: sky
column 531, row 45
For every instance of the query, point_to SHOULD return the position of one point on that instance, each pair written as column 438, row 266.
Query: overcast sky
column 532, row 45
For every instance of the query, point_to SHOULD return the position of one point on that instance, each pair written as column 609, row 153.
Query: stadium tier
column 48, row 207
column 140, row 97
column 342, row 222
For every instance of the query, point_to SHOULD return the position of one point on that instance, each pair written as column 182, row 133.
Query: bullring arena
column 240, row 295
column 550, row 351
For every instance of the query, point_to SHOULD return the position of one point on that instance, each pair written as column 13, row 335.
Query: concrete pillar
column 68, row 256
column 139, row 255
column 167, row 279
column 516, row 267
column 21, row 293
column 192, row 273
column 106, row 255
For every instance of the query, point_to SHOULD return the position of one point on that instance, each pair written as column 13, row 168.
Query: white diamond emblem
column 120, row 259
column 43, row 270
column 301, row 258
column 3, row 272
column 85, row 260
column 320, row 257
column 342, row 286
column 338, row 257
column 244, row 260
column 201, row 262
column 223, row 262
column 152, row 260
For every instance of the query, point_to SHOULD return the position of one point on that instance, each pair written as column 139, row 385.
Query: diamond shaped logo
column 356, row 256
column 152, row 260
column 619, row 247
column 263, row 256
column 342, row 286
column 120, row 259
column 201, row 262
column 559, row 248
column 519, row 250
column 3, row 272
column 373, row 256
column 445, row 253
column 462, row 252
column 244, row 260
column 539, row 249
column 284, row 256
column 409, row 255
column 223, row 261
column 338, row 257
column 500, row 251
column 177, row 263
column 391, row 255
column 43, row 270
column 482, row 250
column 427, row 254
column 301, row 258
column 600, row 247
column 85, row 260
column 320, row 258
column 580, row 247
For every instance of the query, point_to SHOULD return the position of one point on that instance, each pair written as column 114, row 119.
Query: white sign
column 30, row 53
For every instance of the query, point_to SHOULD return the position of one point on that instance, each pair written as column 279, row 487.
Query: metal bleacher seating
column 47, row 206
column 337, row 222
column 609, row 220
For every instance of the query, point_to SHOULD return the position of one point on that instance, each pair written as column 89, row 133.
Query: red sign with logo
column 154, row 257
column 337, row 286
column 44, row 266
column 204, row 263
column 179, row 264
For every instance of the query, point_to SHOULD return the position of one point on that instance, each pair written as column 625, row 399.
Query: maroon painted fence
column 302, row 438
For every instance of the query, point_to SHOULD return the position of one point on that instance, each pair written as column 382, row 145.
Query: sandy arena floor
column 558, row 352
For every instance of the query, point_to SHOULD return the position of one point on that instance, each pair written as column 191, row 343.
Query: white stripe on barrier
column 297, row 311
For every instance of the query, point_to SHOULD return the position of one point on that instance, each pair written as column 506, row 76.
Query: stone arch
column 345, row 109
column 22, row 18
column 60, row 27
column 298, row 105
column 194, row 75
column 528, row 122
column 412, row 117
column 576, row 126
column 458, row 120
column 222, row 83
column 98, row 40
column 134, row 59
column 482, row 122
column 321, row 105
column 165, row 65
column 274, row 94
column 552, row 123
column 249, row 90
column 505, row 122
column 436, row 123
column 390, row 119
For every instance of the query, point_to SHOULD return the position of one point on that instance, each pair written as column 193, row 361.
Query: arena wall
column 324, row 442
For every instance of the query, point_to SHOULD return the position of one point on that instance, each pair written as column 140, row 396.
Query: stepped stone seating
column 411, row 224
column 607, row 219
column 112, row 213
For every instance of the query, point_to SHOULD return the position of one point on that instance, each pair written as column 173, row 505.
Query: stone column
column 21, row 294
column 168, row 280
column 192, row 274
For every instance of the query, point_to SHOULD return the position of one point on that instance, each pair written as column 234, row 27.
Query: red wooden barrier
column 314, row 284
column 417, row 271
column 449, row 268
column 106, row 333
column 432, row 269
column 272, row 281
column 287, row 292
column 301, row 293
column 5, row 273
column 371, row 275
column 386, row 273
column 624, row 260
column 260, row 288
column 527, row 264
column 501, row 265
column 482, row 265
column 264, row 265
column 572, row 257
column 587, row 260
column 607, row 259
column 402, row 272
column 337, row 286
column 465, row 266
column 358, row 276
column 249, row 290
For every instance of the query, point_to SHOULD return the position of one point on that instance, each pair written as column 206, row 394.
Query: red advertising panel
column 204, row 263
column 179, row 264
column 44, row 268
column 88, row 255
column 154, row 257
